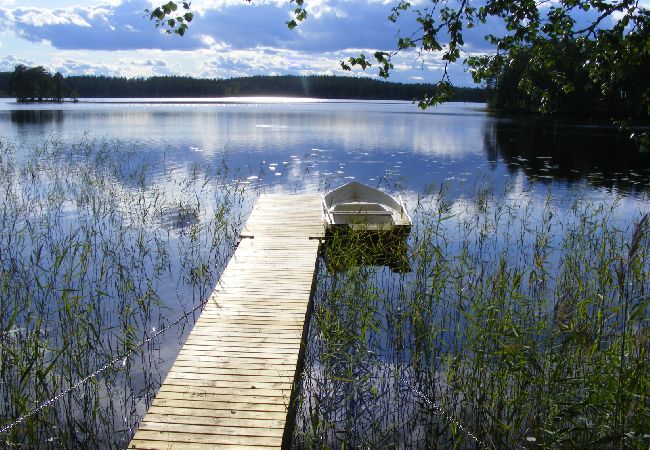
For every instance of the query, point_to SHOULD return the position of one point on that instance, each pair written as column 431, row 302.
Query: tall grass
column 101, row 245
column 523, row 324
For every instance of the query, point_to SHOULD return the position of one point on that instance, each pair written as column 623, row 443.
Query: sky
column 227, row 38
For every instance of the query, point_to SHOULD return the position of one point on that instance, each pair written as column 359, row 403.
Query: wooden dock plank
column 230, row 385
column 205, row 438
column 218, row 390
column 217, row 421
column 218, row 413
column 162, row 445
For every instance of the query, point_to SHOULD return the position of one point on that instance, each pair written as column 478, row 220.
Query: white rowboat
column 357, row 206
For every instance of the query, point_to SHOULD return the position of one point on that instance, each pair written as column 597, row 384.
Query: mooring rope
column 444, row 414
column 109, row 364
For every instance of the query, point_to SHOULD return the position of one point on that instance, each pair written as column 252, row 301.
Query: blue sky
column 227, row 38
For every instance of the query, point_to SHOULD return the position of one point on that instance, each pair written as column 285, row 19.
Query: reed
column 101, row 245
column 522, row 324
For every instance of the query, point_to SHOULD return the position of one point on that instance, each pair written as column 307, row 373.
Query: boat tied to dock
column 357, row 206
column 365, row 227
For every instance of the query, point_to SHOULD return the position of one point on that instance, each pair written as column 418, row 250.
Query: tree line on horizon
column 505, row 90
column 37, row 84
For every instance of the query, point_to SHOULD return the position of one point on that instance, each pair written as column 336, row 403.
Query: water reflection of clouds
column 263, row 129
column 390, row 143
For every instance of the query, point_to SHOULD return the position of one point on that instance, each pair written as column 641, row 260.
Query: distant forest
column 29, row 84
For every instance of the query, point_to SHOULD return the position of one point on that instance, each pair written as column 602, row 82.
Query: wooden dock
column 231, row 383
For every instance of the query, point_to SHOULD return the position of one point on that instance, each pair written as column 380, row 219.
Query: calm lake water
column 314, row 144
column 311, row 145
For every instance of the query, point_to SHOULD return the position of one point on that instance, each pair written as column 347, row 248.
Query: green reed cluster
column 523, row 323
column 101, row 245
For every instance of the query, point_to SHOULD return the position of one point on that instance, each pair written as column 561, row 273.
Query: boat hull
column 360, row 207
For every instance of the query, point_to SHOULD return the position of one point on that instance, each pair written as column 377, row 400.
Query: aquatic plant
column 522, row 324
column 523, row 321
column 102, row 245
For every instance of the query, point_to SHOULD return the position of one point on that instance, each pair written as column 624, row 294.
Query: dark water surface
column 291, row 145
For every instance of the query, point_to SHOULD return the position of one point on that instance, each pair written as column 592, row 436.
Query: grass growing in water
column 100, row 246
column 526, row 327
column 520, row 326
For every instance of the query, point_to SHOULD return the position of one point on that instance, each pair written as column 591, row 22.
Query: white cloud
column 40, row 17
column 154, row 63
column 229, row 38
column 617, row 15
column 102, row 11
column 95, row 27
column 129, row 66
column 202, row 6
column 212, row 43
column 269, row 60
column 8, row 63
column 318, row 8
column 78, row 67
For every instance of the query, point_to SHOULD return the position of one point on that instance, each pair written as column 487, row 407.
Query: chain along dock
column 231, row 384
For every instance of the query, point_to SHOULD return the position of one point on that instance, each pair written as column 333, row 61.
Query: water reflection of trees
column 553, row 150
column 36, row 116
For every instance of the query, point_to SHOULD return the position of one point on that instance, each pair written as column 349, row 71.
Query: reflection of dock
column 231, row 383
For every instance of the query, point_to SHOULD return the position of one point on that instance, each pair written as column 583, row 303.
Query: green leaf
column 157, row 14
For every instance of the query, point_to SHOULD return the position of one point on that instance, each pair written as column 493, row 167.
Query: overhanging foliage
column 550, row 54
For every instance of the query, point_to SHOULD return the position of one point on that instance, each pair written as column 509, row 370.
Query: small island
column 36, row 84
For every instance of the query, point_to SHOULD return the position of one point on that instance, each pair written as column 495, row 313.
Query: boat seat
column 358, row 213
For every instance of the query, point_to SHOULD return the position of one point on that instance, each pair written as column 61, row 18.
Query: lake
column 325, row 143
column 128, row 210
